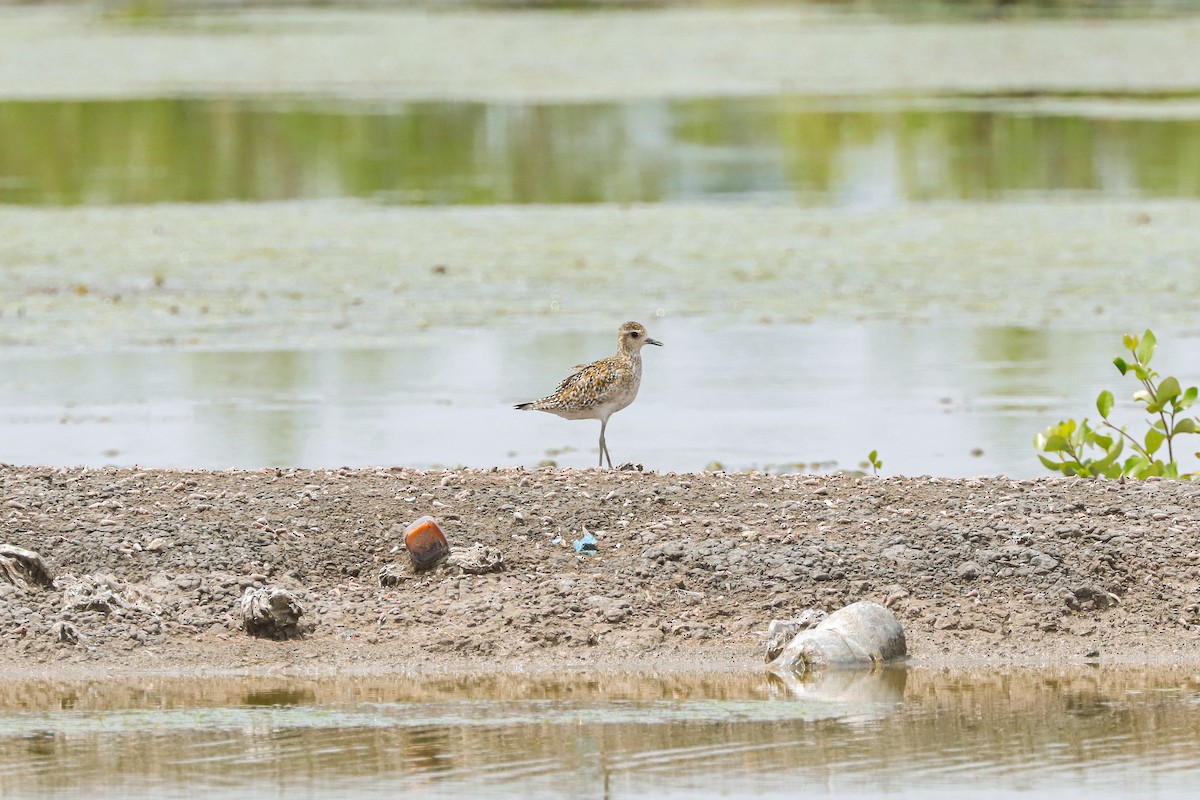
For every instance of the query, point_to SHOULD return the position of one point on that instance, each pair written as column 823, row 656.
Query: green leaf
column 1189, row 397
column 1130, row 341
column 1112, row 450
column 1145, row 348
column 1140, row 468
column 1121, row 365
column 1154, row 440
column 1142, row 396
column 1052, row 465
column 1185, row 425
column 1056, row 444
column 1141, row 372
column 1134, row 463
column 1167, row 391
column 1104, row 403
column 1080, row 436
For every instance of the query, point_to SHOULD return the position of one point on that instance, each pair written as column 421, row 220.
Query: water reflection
column 1102, row 732
column 777, row 149
column 879, row 689
column 938, row 400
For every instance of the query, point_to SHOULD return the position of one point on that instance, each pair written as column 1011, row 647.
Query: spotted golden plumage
column 603, row 387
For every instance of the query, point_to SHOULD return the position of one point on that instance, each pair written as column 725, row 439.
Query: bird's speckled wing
column 591, row 386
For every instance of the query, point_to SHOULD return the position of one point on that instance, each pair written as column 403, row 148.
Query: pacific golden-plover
column 602, row 388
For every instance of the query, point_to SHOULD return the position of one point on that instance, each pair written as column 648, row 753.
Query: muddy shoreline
column 689, row 568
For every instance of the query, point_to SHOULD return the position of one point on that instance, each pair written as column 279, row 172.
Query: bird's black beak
column 653, row 341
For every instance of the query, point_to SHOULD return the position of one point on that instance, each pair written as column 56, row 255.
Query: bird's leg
column 604, row 447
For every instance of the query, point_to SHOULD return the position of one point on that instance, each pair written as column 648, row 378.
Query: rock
column 476, row 560
column 23, row 568
column 271, row 612
column 609, row 609
column 968, row 571
column 666, row 551
column 394, row 574
column 188, row 582
column 616, row 612
column 1098, row 597
column 861, row 634
column 64, row 632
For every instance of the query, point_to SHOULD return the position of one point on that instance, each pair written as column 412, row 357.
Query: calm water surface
column 932, row 399
column 875, row 152
column 1074, row 732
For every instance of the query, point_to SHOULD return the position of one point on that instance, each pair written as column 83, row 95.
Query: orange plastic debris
column 426, row 543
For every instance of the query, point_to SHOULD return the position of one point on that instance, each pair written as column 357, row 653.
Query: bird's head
column 633, row 335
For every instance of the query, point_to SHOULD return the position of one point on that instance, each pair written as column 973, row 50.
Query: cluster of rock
column 91, row 602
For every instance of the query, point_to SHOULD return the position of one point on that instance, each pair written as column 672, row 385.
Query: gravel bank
column 688, row 571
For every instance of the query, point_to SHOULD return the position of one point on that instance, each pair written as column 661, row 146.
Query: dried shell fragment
column 23, row 568
column 271, row 612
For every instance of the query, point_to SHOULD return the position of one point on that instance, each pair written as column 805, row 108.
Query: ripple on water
column 909, row 733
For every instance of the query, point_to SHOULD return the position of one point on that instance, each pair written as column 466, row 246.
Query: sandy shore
column 690, row 568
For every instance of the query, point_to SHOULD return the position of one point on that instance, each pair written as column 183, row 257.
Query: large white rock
column 862, row 634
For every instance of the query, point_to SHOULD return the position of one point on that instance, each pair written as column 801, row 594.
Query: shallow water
column 850, row 153
column 935, row 400
column 1076, row 732
column 935, row 265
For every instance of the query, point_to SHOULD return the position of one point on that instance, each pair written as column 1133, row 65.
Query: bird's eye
column 634, row 334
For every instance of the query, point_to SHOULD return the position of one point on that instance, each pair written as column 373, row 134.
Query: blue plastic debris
column 586, row 544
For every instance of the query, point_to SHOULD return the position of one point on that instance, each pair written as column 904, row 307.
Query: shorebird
column 602, row 388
